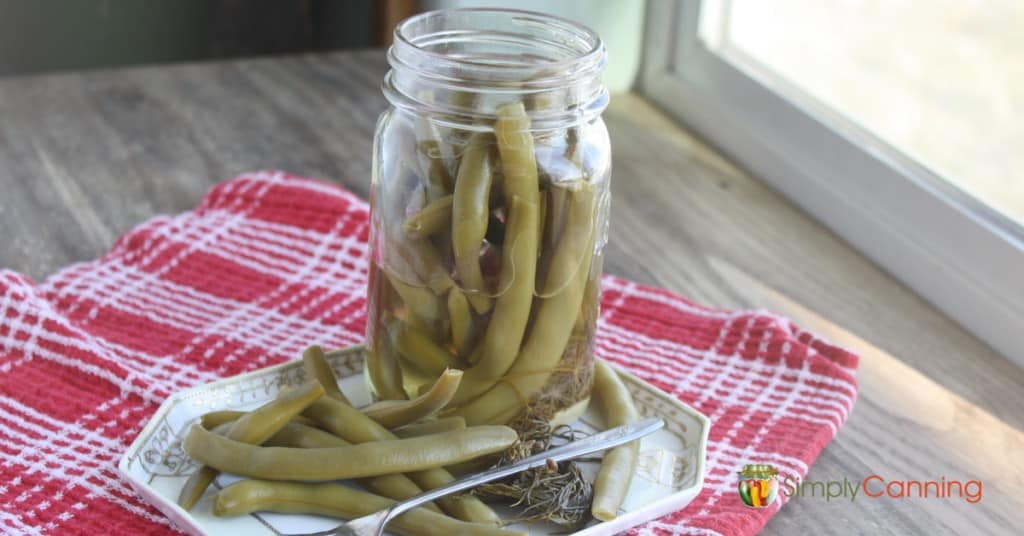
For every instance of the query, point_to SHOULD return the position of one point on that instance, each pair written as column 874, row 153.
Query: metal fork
column 373, row 524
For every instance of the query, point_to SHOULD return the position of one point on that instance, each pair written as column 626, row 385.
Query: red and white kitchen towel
column 269, row 263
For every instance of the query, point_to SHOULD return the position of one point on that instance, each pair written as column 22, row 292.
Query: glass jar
column 489, row 209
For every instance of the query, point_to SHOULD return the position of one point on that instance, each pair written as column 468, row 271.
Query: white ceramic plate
column 669, row 475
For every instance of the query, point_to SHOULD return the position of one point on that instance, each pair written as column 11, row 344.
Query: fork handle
column 588, row 445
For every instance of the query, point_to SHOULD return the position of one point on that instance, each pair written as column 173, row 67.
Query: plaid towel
column 268, row 264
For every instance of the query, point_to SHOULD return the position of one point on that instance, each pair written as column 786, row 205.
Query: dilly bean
column 213, row 419
column 348, row 423
column 461, row 321
column 396, row 486
column 384, row 372
column 434, row 217
column 444, row 424
column 417, row 346
column 619, row 463
column 469, row 219
column 253, row 427
column 507, row 324
column 395, row 413
column 552, row 325
column 336, row 500
column 354, row 461
column 315, row 363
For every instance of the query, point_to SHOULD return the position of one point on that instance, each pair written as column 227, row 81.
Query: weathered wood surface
column 84, row 157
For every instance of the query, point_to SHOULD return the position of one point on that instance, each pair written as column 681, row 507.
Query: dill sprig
column 558, row 493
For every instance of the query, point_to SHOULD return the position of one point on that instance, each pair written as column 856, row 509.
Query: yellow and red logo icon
column 758, row 485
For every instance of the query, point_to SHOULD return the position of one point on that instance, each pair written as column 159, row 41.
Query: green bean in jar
column 489, row 211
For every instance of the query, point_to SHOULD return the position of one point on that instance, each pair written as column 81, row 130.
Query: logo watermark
column 759, row 486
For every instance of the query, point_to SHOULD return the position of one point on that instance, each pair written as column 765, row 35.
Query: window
column 895, row 124
column 934, row 79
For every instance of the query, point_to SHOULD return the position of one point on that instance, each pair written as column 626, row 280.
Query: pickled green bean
column 413, row 261
column 393, row 413
column 554, row 320
column 396, row 486
column 348, row 423
column 558, row 195
column 515, row 146
column 478, row 465
column 564, row 263
column 504, row 333
column 619, row 463
column 389, row 204
column 300, row 436
column 417, row 347
column 340, row 501
column 553, row 240
column 422, row 306
column 253, row 427
column 573, row 151
column 431, row 159
column 384, row 372
column 542, row 218
column 551, row 230
column 436, row 426
column 353, row 461
column 587, row 318
column 469, row 219
column 461, row 321
column 315, row 363
column 426, row 263
column 438, row 180
column 434, row 217
column 213, row 419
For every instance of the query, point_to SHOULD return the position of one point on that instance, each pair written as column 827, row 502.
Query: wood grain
column 84, row 157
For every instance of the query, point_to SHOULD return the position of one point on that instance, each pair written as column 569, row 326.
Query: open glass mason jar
column 489, row 214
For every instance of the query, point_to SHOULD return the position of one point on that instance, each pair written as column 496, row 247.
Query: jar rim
column 463, row 63
column 593, row 54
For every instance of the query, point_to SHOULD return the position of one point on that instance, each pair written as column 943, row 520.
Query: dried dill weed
column 558, row 493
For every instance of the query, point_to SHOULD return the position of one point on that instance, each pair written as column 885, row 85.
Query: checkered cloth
column 268, row 264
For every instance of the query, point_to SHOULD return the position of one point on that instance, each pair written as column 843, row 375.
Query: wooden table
column 86, row 156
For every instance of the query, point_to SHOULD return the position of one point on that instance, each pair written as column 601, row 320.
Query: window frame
column 950, row 248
